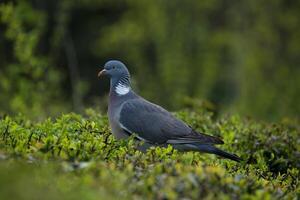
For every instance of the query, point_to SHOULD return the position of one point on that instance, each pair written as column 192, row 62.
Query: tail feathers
column 219, row 152
column 207, row 148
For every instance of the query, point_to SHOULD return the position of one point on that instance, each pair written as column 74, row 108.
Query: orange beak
column 102, row 72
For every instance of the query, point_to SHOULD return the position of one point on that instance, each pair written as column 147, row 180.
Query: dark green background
column 230, row 56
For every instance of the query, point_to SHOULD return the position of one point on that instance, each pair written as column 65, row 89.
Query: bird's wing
column 154, row 124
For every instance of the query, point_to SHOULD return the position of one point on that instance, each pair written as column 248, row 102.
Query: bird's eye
column 113, row 67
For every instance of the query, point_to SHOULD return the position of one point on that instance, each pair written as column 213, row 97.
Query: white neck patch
column 122, row 89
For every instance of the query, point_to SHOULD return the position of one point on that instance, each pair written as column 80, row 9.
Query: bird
column 130, row 114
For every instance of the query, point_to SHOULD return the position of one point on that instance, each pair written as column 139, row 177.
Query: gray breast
column 114, row 110
column 113, row 117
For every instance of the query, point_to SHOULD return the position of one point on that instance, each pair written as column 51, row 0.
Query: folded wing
column 155, row 125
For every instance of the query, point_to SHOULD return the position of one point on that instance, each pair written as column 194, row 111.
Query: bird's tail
column 219, row 152
column 208, row 148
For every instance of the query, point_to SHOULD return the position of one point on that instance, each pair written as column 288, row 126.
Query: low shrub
column 76, row 157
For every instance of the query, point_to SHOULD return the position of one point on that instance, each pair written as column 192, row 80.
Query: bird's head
column 114, row 69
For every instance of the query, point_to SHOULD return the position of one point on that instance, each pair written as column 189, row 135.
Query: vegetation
column 76, row 157
column 242, row 56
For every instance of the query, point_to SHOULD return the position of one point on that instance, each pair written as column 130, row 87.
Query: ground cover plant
column 75, row 157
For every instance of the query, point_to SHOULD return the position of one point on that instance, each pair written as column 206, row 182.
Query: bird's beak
column 102, row 72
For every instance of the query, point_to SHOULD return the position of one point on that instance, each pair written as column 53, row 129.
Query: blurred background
column 229, row 56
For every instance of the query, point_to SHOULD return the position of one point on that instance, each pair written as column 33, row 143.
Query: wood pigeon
column 131, row 114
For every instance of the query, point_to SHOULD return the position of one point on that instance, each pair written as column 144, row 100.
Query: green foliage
column 28, row 84
column 242, row 56
column 76, row 157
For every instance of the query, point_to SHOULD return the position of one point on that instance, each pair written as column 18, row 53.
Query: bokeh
column 230, row 56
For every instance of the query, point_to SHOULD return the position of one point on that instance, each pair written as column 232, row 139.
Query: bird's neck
column 120, row 86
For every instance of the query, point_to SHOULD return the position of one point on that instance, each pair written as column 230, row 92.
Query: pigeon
column 130, row 114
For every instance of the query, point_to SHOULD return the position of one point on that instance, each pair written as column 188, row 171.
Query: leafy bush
column 76, row 157
column 28, row 83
